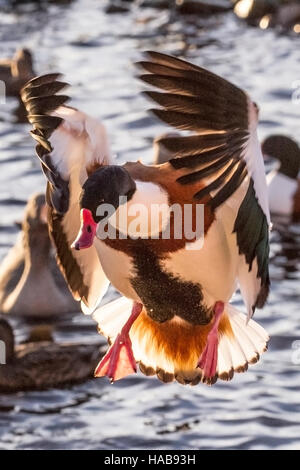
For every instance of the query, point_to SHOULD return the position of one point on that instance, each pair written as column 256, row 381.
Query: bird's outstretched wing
column 70, row 145
column 222, row 153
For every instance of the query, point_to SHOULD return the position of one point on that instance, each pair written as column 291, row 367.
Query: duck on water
column 42, row 364
column 31, row 284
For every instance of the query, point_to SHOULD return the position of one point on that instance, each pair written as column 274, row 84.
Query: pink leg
column 209, row 358
column 119, row 360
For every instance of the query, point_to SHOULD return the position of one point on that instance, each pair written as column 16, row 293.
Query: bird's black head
column 107, row 185
column 285, row 150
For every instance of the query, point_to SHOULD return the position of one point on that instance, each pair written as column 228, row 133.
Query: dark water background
column 95, row 51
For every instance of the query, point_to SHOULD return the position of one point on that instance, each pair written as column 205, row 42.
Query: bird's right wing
column 70, row 146
column 220, row 159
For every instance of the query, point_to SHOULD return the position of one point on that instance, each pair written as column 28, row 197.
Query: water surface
column 96, row 52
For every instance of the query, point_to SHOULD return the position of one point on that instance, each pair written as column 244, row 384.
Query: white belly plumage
column 213, row 266
column 118, row 268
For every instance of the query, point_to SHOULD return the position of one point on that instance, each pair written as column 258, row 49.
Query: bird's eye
column 89, row 229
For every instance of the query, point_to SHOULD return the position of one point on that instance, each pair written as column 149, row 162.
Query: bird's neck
column 37, row 246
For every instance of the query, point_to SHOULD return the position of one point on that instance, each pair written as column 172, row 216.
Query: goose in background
column 16, row 72
column 31, row 284
column 38, row 365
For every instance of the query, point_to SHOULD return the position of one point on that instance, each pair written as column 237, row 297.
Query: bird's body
column 157, row 272
column 178, row 271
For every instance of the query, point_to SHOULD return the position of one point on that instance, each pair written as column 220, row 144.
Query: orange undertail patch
column 172, row 349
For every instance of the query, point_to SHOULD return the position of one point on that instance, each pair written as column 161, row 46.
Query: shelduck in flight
column 174, row 317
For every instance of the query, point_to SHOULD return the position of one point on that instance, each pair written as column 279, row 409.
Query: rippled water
column 257, row 410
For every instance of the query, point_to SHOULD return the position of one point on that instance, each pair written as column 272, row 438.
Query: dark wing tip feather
column 170, row 61
column 41, row 79
column 44, row 122
column 193, row 91
column 46, row 89
column 42, row 104
column 251, row 228
column 179, row 67
column 40, row 98
column 40, row 139
column 263, row 294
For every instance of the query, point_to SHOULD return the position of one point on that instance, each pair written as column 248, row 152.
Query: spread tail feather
column 171, row 350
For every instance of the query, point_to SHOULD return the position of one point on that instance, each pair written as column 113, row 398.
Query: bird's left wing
column 221, row 155
column 70, row 146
